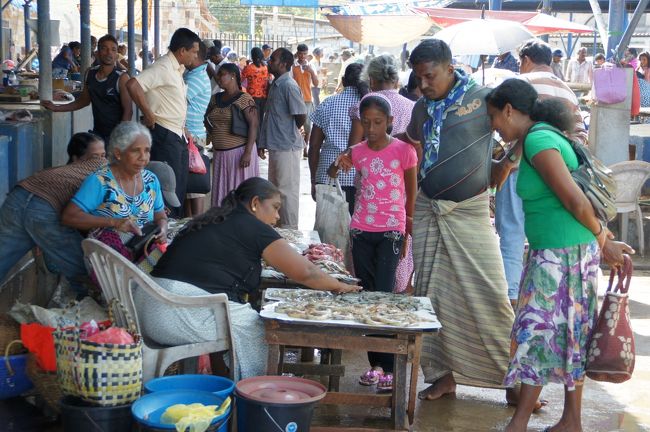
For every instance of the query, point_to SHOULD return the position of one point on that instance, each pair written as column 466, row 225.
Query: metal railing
column 242, row 43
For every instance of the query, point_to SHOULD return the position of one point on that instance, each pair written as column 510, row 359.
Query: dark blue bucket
column 13, row 378
column 148, row 410
column 220, row 386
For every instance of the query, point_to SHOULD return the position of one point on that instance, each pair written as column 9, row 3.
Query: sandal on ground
column 371, row 377
column 385, row 383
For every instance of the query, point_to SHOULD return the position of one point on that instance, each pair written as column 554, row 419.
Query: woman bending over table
column 221, row 252
column 557, row 303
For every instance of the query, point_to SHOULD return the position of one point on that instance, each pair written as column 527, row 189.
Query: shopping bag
column 610, row 85
column 39, row 341
column 332, row 216
column 610, row 355
column 197, row 166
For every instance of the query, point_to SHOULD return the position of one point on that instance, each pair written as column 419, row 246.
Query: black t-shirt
column 220, row 258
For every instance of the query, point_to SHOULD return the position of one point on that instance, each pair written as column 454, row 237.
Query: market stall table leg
column 405, row 344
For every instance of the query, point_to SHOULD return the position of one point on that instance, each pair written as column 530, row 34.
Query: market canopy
column 381, row 30
column 536, row 22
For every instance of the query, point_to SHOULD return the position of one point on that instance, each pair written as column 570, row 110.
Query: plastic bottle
column 13, row 79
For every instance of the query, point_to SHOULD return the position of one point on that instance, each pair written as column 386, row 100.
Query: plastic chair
column 630, row 177
column 118, row 277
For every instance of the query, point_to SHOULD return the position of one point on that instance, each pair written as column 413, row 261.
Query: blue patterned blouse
column 101, row 195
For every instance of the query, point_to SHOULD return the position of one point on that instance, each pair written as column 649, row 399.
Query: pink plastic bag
column 404, row 269
column 112, row 335
column 197, row 166
column 610, row 85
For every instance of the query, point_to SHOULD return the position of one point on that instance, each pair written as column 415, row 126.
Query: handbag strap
column 624, row 276
column 334, row 182
column 115, row 302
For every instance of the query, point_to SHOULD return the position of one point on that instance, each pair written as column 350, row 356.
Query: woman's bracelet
column 602, row 227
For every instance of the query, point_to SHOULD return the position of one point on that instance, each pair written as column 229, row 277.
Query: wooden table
column 405, row 343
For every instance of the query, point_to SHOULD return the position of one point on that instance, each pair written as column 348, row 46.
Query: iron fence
column 242, row 43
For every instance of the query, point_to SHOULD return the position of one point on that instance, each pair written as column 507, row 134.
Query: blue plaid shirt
column 509, row 62
column 198, row 97
column 333, row 118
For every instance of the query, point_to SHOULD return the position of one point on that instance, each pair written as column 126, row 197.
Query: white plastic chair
column 630, row 177
column 118, row 277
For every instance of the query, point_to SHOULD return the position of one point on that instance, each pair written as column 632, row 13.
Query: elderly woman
column 30, row 215
column 237, row 236
column 235, row 154
column 383, row 77
column 330, row 132
column 123, row 196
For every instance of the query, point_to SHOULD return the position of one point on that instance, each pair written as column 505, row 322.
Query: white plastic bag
column 332, row 216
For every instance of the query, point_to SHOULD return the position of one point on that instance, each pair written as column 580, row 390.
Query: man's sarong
column 458, row 266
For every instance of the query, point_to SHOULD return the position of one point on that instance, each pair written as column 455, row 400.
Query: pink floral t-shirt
column 381, row 193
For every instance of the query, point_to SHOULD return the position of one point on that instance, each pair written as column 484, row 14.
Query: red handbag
column 611, row 349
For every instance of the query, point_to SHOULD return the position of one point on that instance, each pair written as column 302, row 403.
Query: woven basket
column 9, row 331
column 100, row 374
column 46, row 384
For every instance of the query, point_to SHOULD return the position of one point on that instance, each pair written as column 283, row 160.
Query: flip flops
column 371, row 377
column 385, row 383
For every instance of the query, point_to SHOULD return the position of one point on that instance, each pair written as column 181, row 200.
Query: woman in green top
column 557, row 303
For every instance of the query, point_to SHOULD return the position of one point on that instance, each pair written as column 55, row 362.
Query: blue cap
column 558, row 53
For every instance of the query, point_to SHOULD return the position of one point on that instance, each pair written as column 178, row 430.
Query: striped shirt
column 548, row 86
column 57, row 185
column 220, row 116
column 198, row 97
column 333, row 119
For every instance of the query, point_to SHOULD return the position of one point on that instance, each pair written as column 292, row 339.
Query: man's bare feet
column 512, row 397
column 445, row 385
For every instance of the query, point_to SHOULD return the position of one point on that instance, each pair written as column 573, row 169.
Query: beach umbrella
column 484, row 36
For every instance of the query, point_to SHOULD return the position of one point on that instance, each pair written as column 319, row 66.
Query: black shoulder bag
column 593, row 177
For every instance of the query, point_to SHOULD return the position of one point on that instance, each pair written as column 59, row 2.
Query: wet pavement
column 606, row 407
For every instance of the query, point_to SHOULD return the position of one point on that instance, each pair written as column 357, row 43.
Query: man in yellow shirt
column 159, row 92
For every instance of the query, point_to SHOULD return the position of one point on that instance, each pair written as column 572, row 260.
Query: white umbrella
column 484, row 36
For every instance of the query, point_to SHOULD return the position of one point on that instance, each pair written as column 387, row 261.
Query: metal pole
column 131, row 35
column 110, row 7
column 569, row 50
column 600, row 22
column 145, row 34
column 546, row 9
column 615, row 25
column 28, row 34
column 84, row 14
column 315, row 9
column 627, row 35
column 156, row 28
column 44, row 50
column 494, row 5
column 2, row 42
column 252, row 29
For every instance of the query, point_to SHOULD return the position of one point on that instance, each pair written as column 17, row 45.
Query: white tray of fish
column 377, row 310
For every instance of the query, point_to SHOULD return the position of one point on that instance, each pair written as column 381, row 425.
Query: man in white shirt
column 580, row 70
column 316, row 65
column 346, row 59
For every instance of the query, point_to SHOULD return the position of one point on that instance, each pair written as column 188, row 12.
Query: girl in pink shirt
column 387, row 185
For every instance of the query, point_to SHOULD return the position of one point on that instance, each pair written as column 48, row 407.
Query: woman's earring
column 254, row 209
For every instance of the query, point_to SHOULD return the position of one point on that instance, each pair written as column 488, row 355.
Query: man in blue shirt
column 64, row 61
column 198, row 97
column 284, row 114
column 506, row 61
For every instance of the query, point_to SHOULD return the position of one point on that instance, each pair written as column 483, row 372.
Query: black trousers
column 375, row 256
column 168, row 147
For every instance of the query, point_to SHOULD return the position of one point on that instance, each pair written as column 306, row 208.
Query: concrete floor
column 606, row 407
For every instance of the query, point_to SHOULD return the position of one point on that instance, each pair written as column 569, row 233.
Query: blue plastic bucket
column 13, row 378
column 220, row 386
column 148, row 410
